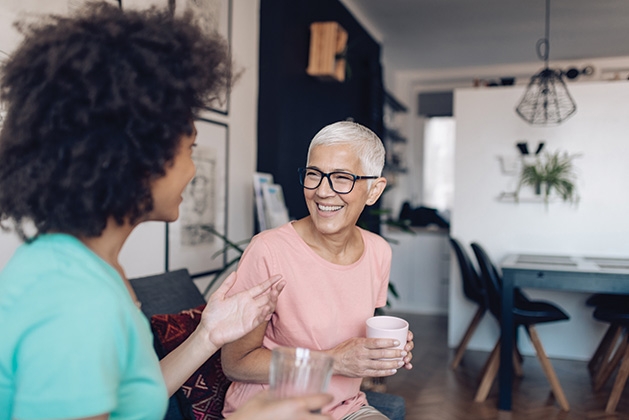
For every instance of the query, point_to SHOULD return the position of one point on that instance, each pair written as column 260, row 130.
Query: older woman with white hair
column 337, row 275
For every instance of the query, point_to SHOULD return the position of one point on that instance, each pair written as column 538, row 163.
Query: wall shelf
column 393, row 139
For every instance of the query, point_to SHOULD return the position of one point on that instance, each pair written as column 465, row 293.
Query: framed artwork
column 274, row 206
column 3, row 110
column 192, row 241
column 144, row 4
column 260, row 179
column 213, row 16
column 75, row 4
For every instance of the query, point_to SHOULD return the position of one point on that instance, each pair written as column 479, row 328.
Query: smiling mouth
column 329, row 208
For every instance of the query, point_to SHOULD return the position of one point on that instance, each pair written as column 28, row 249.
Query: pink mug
column 388, row 327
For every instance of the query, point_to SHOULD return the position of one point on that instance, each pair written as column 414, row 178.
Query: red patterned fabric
column 205, row 389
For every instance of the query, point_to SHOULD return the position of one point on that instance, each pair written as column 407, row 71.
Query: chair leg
column 517, row 352
column 517, row 364
column 621, row 380
column 460, row 350
column 490, row 372
column 609, row 366
column 548, row 369
column 604, row 350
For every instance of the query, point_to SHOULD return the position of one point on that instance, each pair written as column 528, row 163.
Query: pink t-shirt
column 322, row 305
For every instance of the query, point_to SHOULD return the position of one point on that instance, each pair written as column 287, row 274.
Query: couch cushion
column 205, row 389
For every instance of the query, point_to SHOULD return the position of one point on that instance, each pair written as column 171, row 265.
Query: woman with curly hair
column 98, row 138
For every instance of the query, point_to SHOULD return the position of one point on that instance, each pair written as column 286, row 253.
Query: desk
column 579, row 274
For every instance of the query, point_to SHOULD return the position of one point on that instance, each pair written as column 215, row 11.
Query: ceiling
column 420, row 35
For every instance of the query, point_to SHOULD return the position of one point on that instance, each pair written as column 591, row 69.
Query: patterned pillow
column 205, row 389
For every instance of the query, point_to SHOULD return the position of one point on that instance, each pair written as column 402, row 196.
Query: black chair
column 526, row 313
column 605, row 347
column 474, row 291
column 618, row 315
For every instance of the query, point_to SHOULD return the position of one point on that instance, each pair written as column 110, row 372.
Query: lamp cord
column 545, row 42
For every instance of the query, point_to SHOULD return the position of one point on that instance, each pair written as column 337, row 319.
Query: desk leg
column 505, row 374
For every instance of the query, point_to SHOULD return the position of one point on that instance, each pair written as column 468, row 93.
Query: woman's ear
column 376, row 190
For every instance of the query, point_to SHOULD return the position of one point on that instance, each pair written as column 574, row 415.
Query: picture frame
column 190, row 241
column 3, row 110
column 76, row 4
column 274, row 205
column 260, row 179
column 212, row 16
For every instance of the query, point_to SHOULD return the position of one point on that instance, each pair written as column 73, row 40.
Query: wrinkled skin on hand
column 361, row 357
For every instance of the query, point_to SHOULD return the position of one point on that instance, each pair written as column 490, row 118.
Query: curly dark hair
column 97, row 104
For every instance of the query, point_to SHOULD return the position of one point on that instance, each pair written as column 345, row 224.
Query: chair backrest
column 490, row 277
column 167, row 293
column 473, row 287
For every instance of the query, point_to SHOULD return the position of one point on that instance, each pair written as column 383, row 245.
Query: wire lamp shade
column 546, row 100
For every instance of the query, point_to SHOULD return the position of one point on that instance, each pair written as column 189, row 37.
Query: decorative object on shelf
column 328, row 42
column 573, row 72
column 259, row 179
column 546, row 100
column 395, row 143
column 548, row 173
column 523, row 147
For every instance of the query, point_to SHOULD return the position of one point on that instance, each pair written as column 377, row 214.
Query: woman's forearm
column 253, row 367
column 246, row 360
column 183, row 361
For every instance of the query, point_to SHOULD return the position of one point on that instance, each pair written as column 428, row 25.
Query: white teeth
column 329, row 208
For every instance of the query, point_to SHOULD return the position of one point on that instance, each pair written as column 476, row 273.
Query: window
column 438, row 188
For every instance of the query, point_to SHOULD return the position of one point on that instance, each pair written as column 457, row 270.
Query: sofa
column 173, row 304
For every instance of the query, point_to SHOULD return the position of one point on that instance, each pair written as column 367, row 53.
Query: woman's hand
column 263, row 407
column 226, row 319
column 373, row 357
column 410, row 345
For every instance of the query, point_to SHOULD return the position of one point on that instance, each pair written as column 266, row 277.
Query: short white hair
column 364, row 142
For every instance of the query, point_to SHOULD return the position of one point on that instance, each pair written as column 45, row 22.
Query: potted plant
column 552, row 172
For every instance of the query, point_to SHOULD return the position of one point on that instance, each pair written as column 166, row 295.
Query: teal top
column 72, row 342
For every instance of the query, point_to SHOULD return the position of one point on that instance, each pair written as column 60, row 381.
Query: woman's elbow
column 251, row 366
column 230, row 367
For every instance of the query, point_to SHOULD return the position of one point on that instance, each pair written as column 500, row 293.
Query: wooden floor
column 434, row 392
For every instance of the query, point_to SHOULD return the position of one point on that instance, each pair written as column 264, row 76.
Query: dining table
column 557, row 272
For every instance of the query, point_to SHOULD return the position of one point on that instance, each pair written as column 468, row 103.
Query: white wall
column 143, row 253
column 487, row 126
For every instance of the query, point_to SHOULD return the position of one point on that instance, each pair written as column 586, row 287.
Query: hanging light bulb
column 546, row 100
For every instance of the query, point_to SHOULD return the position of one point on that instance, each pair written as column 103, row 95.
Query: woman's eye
column 343, row 177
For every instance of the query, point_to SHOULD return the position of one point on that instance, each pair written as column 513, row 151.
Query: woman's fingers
column 315, row 402
column 227, row 284
column 262, row 288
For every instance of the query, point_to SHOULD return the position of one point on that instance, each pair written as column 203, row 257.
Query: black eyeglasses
column 340, row 182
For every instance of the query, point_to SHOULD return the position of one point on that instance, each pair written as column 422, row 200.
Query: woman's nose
column 325, row 188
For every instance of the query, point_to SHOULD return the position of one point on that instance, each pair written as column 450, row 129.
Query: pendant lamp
column 546, row 100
